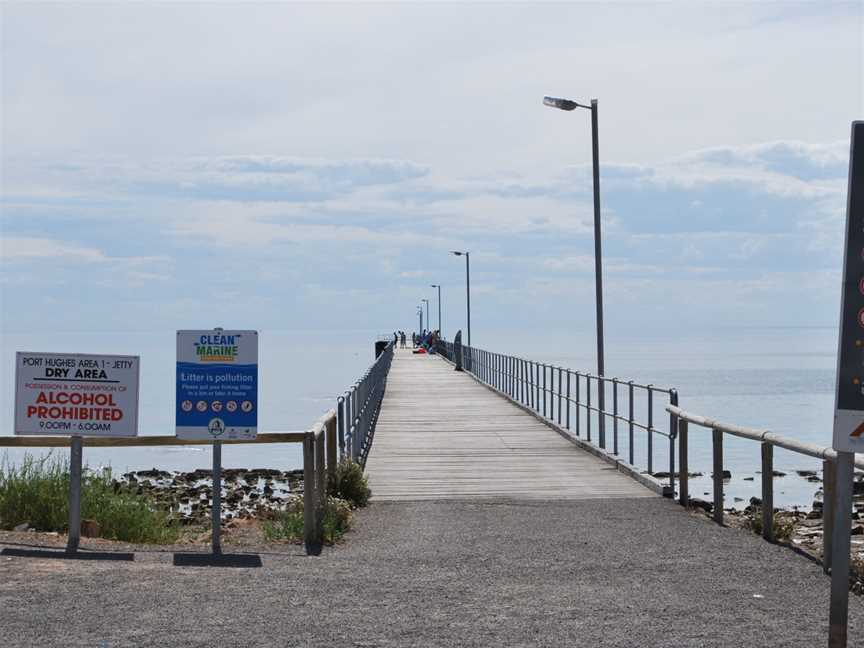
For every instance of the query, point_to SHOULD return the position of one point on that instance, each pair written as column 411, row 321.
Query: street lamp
column 567, row 104
column 420, row 313
column 467, row 288
column 439, row 308
column 427, row 312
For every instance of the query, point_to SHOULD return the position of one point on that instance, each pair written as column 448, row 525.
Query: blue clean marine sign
column 217, row 384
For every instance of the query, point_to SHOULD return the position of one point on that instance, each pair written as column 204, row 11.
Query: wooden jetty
column 443, row 435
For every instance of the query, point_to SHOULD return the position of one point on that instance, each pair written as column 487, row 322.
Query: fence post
column 718, row 475
column 75, row 460
column 310, row 533
column 320, row 483
column 768, row 491
column 683, row 464
column 829, row 481
column 331, row 448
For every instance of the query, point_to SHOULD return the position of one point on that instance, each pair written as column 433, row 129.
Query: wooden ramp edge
column 442, row 435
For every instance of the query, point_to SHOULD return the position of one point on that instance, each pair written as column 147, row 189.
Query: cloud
column 21, row 247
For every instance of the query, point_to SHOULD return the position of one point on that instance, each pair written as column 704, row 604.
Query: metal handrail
column 358, row 408
column 768, row 440
column 555, row 393
column 765, row 436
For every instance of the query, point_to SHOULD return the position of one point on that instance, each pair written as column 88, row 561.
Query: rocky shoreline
column 246, row 493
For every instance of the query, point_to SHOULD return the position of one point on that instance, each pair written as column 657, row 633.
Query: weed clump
column 350, row 484
column 288, row 524
column 783, row 526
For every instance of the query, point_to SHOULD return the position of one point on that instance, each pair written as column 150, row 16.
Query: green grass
column 288, row 524
column 36, row 492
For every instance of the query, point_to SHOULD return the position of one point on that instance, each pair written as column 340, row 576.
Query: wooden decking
column 442, row 435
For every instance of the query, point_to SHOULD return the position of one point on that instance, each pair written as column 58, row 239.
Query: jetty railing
column 571, row 400
column 319, row 461
column 768, row 441
column 358, row 408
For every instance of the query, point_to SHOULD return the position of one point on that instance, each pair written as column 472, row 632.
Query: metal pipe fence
column 357, row 409
column 569, row 399
column 768, row 441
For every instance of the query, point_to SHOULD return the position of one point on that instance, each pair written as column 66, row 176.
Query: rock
column 857, row 530
column 749, row 478
column 806, row 473
column 725, row 474
column 814, row 515
column 90, row 528
column 778, row 473
column 21, row 527
column 705, row 506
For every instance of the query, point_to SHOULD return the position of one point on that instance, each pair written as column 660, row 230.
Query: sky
column 292, row 166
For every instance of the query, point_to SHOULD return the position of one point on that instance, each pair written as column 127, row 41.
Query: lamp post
column 420, row 313
column 467, row 287
column 567, row 104
column 438, row 286
column 428, row 321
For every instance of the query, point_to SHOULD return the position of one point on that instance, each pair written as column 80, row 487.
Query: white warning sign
column 76, row 394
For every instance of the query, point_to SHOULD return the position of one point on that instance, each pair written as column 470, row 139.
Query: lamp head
column 561, row 104
column 456, row 253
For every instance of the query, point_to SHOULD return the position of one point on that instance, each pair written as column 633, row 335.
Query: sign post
column 217, row 397
column 849, row 403
column 76, row 395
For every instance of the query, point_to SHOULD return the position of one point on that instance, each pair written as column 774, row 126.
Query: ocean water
column 776, row 378
column 781, row 379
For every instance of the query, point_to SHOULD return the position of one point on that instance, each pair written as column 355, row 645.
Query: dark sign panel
column 849, row 415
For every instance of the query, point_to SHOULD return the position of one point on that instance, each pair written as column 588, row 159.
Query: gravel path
column 627, row 572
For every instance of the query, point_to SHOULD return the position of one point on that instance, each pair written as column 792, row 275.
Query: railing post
column 673, row 430
column 588, row 410
column 684, row 476
column 568, row 399
column 651, row 429
column 578, row 404
column 559, row 395
column 544, row 391
column 615, row 416
column 340, row 420
column 718, row 475
column 601, row 415
column 768, row 491
column 829, row 482
column 630, row 419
